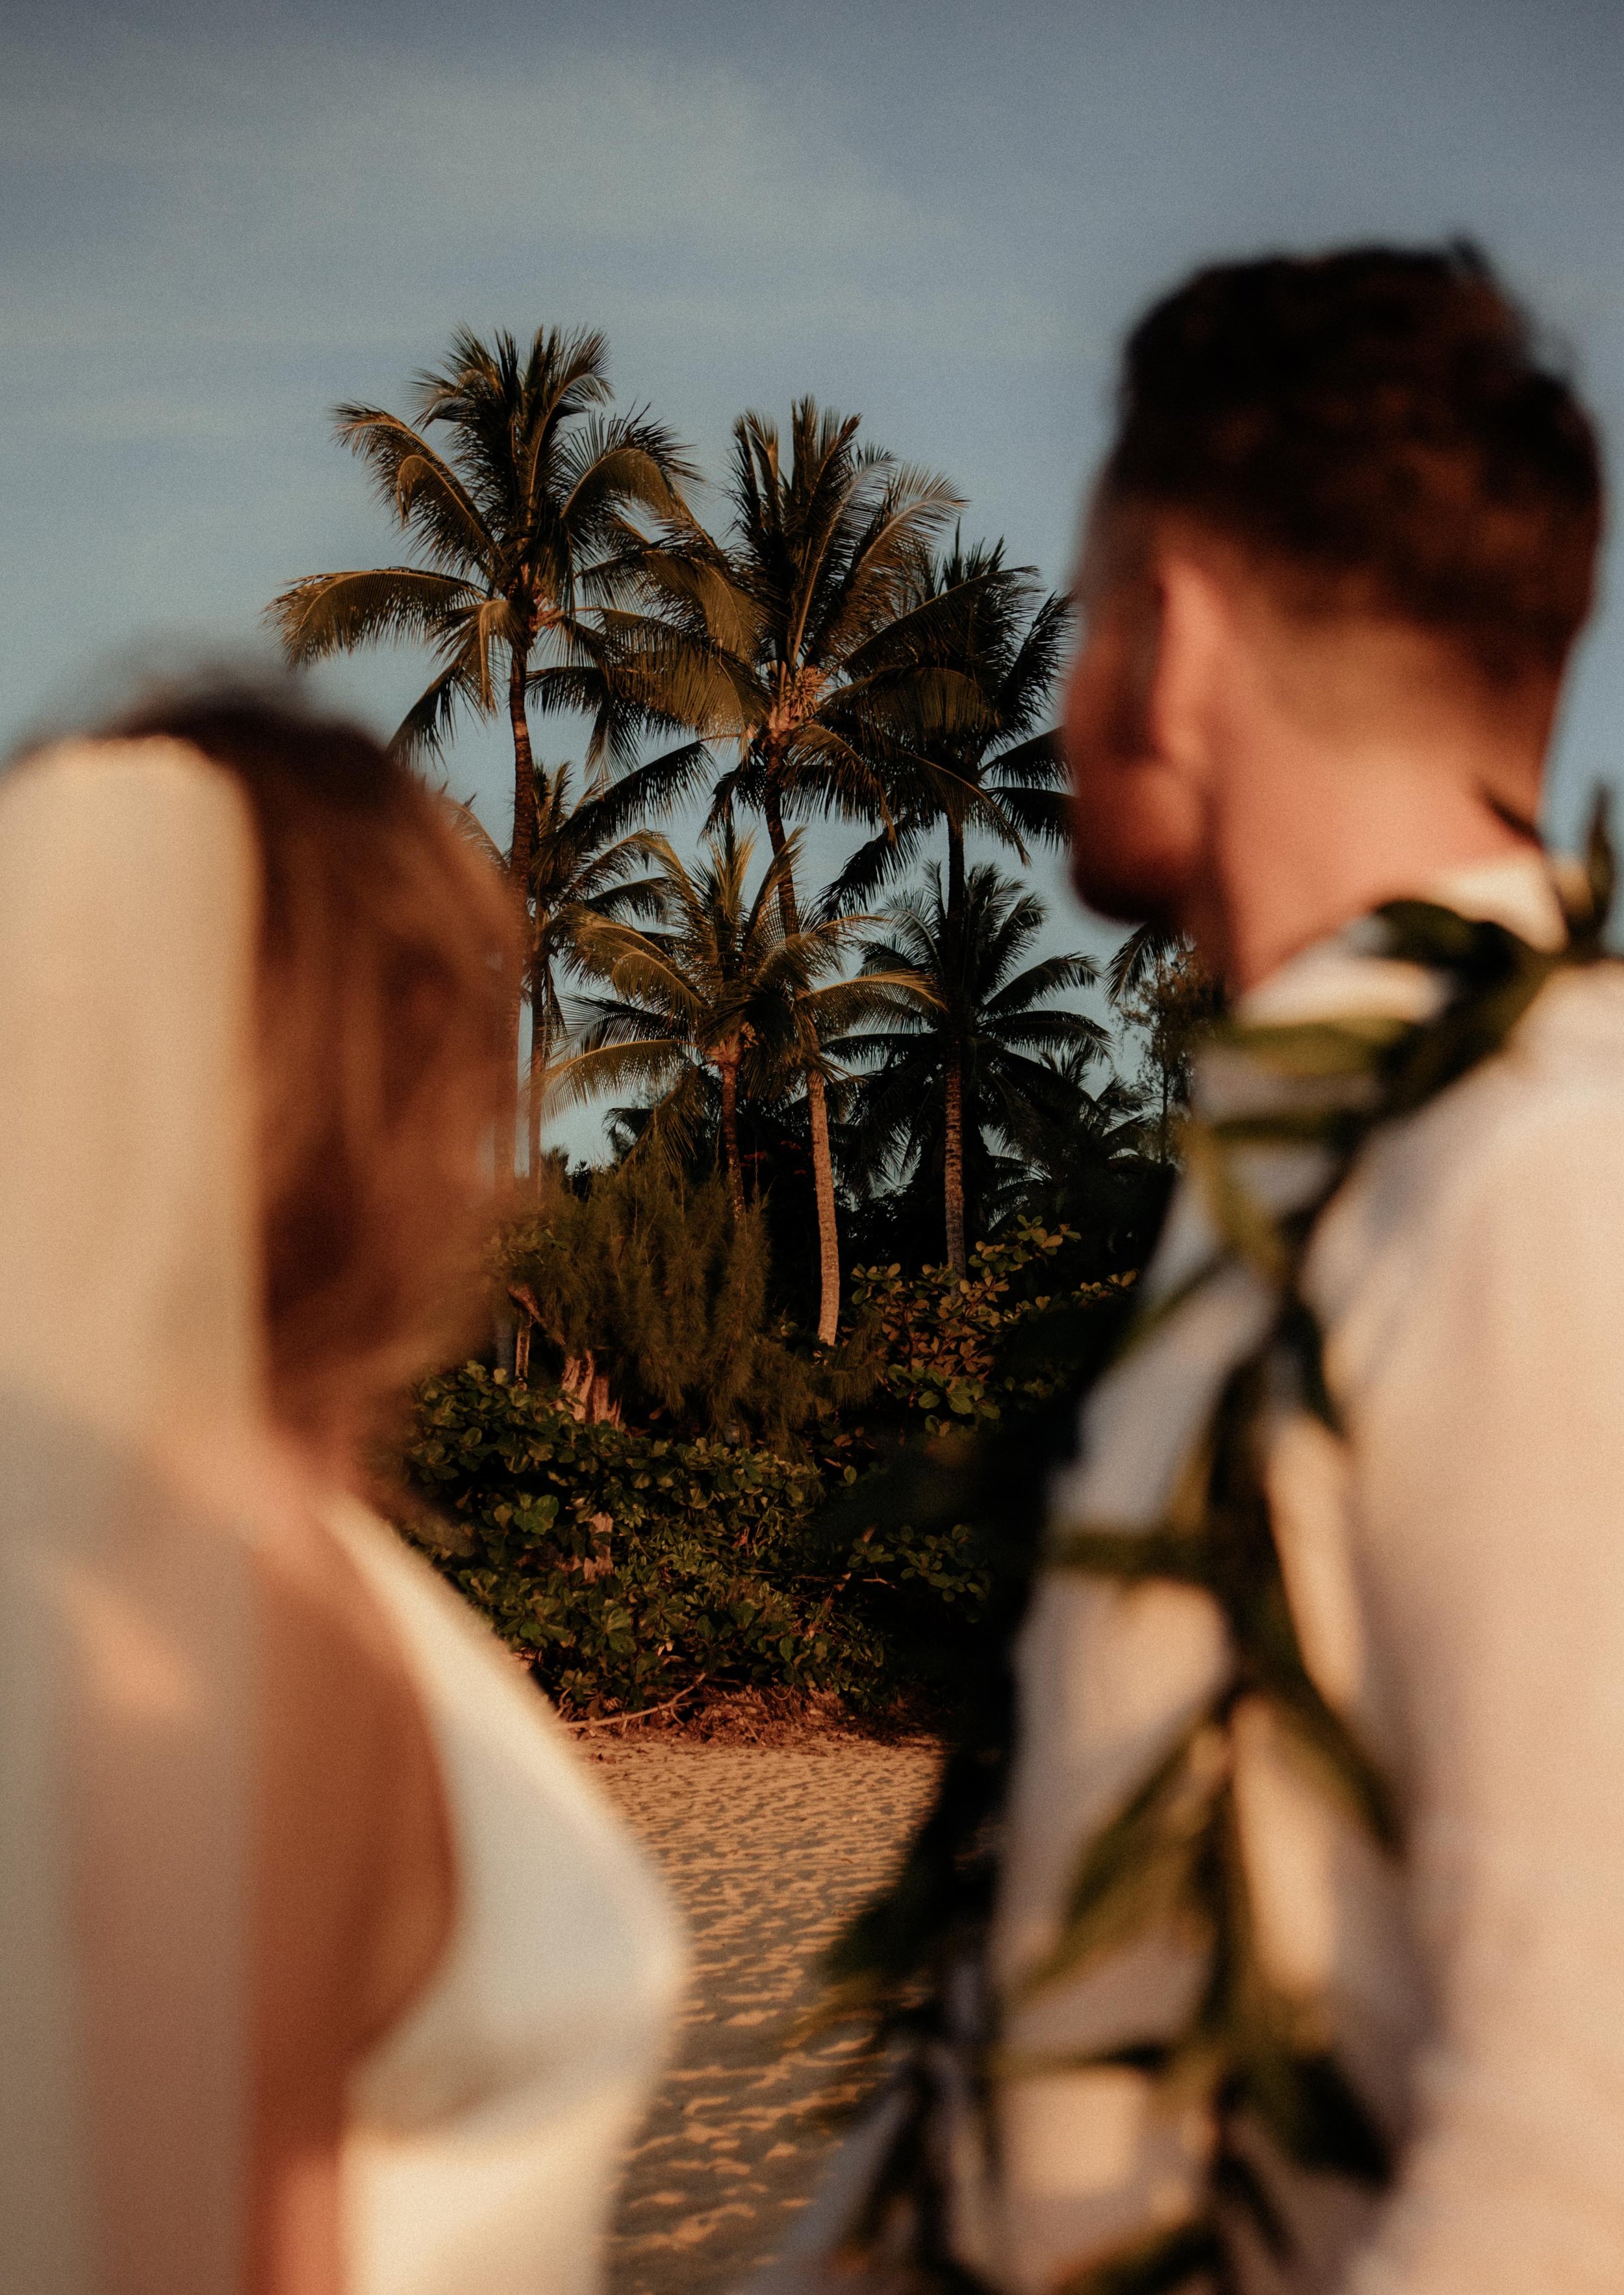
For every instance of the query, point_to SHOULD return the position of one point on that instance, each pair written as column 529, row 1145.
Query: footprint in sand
column 767, row 1849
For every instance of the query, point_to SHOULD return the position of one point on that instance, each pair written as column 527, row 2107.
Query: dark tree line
column 860, row 1049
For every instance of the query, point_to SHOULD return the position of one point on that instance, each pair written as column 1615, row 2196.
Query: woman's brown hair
column 387, row 965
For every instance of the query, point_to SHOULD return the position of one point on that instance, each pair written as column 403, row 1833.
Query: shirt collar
column 1343, row 974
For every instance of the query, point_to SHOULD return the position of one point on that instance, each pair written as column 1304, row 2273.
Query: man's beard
column 1137, row 892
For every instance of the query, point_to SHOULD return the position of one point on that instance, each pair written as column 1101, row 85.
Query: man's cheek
column 1133, row 843
column 1104, row 831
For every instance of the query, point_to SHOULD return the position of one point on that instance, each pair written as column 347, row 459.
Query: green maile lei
column 1247, row 2053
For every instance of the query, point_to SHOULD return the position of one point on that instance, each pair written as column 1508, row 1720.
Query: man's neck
column 1302, row 842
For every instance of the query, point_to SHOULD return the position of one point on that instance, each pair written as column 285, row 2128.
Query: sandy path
column 766, row 1851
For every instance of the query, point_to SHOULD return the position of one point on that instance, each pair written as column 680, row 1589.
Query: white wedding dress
column 488, row 2127
column 485, row 2129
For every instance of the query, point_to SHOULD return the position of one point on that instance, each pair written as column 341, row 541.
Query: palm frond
column 419, row 487
column 328, row 613
column 1136, row 961
column 425, row 732
column 640, row 1064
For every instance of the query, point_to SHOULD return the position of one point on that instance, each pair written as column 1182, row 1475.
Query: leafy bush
column 960, row 1361
column 628, row 1563
column 942, row 1341
column 662, row 1290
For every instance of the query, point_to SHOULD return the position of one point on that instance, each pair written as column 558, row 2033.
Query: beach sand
column 766, row 1849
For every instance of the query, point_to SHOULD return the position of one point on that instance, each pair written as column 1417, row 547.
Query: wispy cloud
column 285, row 200
column 941, row 221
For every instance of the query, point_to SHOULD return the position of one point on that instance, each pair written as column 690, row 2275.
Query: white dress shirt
column 1456, row 1567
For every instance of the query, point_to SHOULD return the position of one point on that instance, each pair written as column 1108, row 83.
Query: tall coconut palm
column 1157, row 983
column 582, row 871
column 721, row 988
column 1139, row 958
column 972, row 1064
column 823, row 656
column 528, row 546
column 1096, row 1117
column 991, row 768
column 1088, row 1163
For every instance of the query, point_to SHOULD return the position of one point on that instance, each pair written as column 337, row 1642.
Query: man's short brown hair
column 1378, row 426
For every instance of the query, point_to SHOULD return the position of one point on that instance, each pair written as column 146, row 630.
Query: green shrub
column 963, row 1364
column 662, row 1289
column 947, row 1349
column 628, row 1563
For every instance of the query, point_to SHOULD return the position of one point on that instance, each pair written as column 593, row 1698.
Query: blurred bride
column 325, row 1969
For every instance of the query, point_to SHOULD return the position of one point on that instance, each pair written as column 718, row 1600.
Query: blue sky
column 220, row 220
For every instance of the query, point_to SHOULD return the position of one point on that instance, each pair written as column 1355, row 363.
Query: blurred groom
column 1304, row 1966
column 1309, row 1951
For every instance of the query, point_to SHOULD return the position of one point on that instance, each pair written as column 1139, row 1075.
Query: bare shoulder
column 356, row 1826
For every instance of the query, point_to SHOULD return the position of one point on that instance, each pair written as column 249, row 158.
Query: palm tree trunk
column 519, row 855
column 952, row 1159
column 953, row 1162
column 817, row 1111
column 828, row 1232
column 539, row 1050
column 523, row 848
column 727, row 1069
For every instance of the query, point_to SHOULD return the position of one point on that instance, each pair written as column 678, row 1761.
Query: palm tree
column 528, row 551
column 977, row 1063
column 809, row 642
column 1136, row 960
column 722, row 989
column 581, row 871
column 1085, row 1127
column 1156, row 982
column 993, row 770
column 1087, row 1154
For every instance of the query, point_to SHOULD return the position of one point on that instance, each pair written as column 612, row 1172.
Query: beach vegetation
column 877, row 1158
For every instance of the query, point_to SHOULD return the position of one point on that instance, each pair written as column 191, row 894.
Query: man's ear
column 1196, row 630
